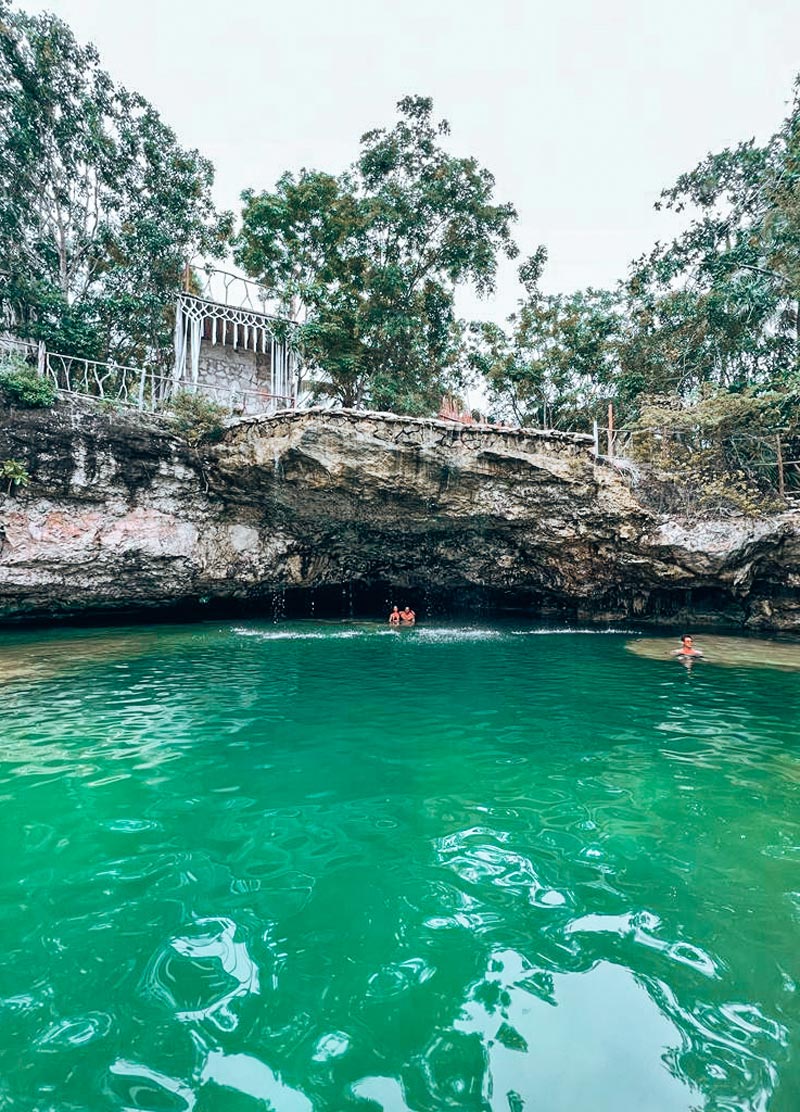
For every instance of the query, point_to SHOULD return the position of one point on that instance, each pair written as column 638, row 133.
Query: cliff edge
column 122, row 513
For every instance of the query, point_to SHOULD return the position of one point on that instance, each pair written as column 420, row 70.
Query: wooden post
column 781, row 481
column 610, row 430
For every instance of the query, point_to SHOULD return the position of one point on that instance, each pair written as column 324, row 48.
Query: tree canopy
column 370, row 259
column 100, row 207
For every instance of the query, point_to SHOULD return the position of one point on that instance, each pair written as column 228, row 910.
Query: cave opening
column 372, row 599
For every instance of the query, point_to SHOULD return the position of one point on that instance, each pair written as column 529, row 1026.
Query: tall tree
column 100, row 207
column 556, row 364
column 370, row 260
column 721, row 303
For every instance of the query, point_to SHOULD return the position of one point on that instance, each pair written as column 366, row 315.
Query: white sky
column 583, row 110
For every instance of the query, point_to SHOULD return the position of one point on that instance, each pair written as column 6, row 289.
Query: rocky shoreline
column 122, row 514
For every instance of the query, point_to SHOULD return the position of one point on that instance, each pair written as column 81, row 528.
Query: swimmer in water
column 687, row 649
column 407, row 616
column 394, row 617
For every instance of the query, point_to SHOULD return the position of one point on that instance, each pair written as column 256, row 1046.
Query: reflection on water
column 318, row 867
column 212, row 972
column 37, row 656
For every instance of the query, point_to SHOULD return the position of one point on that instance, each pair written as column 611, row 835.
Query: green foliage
column 99, row 205
column 369, row 261
column 21, row 385
column 197, row 417
column 717, row 455
column 13, row 474
column 717, row 413
column 721, row 303
column 555, row 366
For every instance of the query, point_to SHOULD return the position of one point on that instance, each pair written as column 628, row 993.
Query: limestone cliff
column 122, row 513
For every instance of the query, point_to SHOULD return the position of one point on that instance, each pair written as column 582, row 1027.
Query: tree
column 369, row 260
column 100, row 208
column 721, row 303
column 556, row 364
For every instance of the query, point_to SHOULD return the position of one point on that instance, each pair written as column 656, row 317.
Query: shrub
column 111, row 405
column 21, row 385
column 716, row 455
column 198, row 418
column 13, row 474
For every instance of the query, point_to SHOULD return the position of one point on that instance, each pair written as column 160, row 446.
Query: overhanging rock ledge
column 123, row 514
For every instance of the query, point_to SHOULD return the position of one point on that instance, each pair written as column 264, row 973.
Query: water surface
column 308, row 866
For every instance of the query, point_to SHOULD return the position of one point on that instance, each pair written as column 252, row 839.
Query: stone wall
column 233, row 377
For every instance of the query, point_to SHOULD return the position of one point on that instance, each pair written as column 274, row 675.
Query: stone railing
column 425, row 433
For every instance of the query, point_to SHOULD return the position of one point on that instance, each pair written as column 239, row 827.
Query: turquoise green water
column 325, row 867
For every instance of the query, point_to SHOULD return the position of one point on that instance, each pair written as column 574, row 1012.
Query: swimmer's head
column 686, row 639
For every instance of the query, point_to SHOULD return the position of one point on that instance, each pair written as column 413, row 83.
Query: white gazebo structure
column 228, row 348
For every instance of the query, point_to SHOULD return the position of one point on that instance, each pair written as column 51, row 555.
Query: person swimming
column 687, row 648
column 407, row 616
column 394, row 617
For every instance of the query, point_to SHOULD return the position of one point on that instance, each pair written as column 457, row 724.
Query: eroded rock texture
column 121, row 513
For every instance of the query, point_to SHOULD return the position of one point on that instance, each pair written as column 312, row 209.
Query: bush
column 13, row 474
column 21, row 385
column 715, row 456
column 198, row 418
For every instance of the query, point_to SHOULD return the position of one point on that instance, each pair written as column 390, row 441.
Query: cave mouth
column 363, row 600
column 352, row 600
column 372, row 599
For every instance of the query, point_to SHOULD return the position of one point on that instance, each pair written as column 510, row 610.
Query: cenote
column 326, row 866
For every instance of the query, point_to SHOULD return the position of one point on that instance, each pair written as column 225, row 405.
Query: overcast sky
column 582, row 110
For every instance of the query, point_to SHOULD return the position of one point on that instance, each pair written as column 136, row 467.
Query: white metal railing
column 229, row 289
column 144, row 388
column 12, row 346
column 138, row 386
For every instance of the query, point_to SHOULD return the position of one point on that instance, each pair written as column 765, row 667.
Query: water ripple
column 315, row 866
column 204, row 972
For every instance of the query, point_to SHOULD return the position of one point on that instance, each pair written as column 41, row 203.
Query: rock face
column 121, row 513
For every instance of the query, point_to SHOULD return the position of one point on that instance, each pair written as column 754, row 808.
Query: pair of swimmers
column 404, row 617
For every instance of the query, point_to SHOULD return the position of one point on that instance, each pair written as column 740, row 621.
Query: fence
column 225, row 288
column 28, row 351
column 143, row 388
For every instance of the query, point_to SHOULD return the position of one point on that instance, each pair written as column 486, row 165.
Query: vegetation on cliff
column 21, row 386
